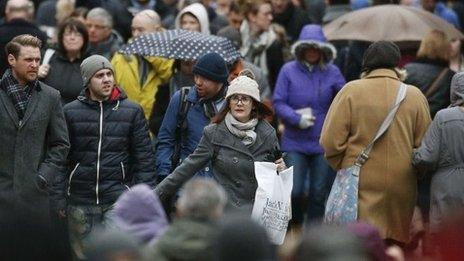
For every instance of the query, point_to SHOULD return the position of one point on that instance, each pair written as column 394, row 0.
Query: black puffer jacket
column 110, row 150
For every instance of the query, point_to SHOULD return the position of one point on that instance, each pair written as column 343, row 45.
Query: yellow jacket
column 126, row 69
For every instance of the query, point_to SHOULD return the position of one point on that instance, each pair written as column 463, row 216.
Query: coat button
column 207, row 169
column 235, row 160
column 237, row 183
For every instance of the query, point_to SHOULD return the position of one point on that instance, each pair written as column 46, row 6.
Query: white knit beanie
column 244, row 85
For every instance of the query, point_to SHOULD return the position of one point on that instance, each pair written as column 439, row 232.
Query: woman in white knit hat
column 238, row 137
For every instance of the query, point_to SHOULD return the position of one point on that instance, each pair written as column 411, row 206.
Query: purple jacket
column 298, row 87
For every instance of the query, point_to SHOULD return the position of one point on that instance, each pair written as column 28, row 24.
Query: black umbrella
column 181, row 44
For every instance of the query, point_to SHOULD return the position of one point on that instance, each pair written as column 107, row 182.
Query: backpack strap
column 181, row 125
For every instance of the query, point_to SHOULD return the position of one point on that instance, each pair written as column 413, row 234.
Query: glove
column 306, row 121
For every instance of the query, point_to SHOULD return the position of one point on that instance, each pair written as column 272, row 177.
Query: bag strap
column 181, row 125
column 434, row 86
column 364, row 156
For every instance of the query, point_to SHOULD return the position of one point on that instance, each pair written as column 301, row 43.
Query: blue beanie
column 212, row 67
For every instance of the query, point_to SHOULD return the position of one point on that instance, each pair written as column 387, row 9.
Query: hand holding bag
column 342, row 204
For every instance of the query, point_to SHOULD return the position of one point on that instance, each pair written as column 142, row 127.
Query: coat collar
column 31, row 107
column 382, row 73
column 234, row 143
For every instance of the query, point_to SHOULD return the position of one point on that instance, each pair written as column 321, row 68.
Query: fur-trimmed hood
column 312, row 35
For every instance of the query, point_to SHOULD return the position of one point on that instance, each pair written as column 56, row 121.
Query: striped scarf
column 19, row 95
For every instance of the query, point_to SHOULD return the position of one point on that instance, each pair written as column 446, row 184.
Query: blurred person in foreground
column 241, row 238
column 330, row 243
column 191, row 235
column 139, row 213
column 388, row 181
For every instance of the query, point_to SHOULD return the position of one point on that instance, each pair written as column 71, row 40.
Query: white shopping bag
column 272, row 207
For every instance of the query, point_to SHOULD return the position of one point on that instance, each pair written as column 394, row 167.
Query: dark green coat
column 422, row 73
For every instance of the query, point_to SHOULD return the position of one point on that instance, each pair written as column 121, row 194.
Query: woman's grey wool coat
column 232, row 162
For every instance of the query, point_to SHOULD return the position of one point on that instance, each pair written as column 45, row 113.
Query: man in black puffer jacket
column 110, row 151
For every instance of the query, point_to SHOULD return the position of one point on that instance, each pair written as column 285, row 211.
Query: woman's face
column 72, row 40
column 455, row 49
column 241, row 106
column 312, row 55
column 190, row 23
column 263, row 18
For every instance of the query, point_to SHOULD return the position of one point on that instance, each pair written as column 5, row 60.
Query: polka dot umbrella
column 181, row 44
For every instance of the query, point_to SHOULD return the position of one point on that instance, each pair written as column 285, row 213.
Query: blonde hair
column 64, row 9
column 435, row 45
column 14, row 46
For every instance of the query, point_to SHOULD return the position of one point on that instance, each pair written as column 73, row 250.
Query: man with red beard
column 110, row 151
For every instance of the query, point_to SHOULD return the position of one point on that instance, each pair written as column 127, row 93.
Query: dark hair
column 14, row 46
column 74, row 25
column 260, row 111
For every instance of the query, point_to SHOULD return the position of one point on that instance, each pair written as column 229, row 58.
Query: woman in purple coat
column 304, row 91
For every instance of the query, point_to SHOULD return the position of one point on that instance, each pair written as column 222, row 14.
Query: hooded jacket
column 110, row 150
column 128, row 76
column 300, row 85
column 199, row 11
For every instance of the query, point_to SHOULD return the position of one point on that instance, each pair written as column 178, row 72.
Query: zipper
column 123, row 172
column 124, row 176
column 99, row 151
column 70, row 178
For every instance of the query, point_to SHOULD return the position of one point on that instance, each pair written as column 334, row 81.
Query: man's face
column 101, row 85
column 25, row 67
column 279, row 6
column 206, row 88
column 141, row 25
column 98, row 31
column 428, row 5
column 235, row 19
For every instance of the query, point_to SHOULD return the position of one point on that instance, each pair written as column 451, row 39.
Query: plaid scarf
column 19, row 95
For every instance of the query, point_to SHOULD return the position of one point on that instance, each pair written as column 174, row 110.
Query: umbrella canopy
column 395, row 23
column 181, row 44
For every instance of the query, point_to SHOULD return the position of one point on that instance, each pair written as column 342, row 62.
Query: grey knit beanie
column 92, row 65
column 244, row 85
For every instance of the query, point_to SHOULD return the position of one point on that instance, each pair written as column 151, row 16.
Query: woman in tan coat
column 387, row 185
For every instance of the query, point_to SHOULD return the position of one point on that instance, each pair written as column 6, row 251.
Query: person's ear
column 11, row 60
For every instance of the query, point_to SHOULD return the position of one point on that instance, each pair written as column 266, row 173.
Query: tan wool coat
column 387, row 185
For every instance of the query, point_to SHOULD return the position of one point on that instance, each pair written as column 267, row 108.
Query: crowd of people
column 114, row 156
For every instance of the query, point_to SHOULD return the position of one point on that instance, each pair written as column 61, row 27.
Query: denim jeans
column 82, row 220
column 312, row 177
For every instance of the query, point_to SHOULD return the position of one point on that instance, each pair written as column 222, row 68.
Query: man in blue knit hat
column 189, row 111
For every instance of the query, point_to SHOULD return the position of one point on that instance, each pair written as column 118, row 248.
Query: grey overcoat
column 37, row 144
column 232, row 162
column 442, row 153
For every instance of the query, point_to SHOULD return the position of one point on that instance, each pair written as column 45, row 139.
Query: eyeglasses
column 244, row 99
